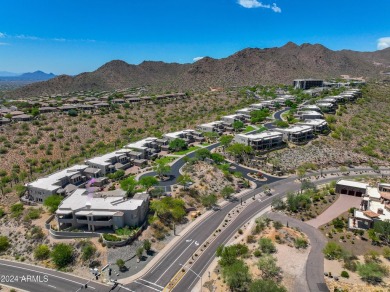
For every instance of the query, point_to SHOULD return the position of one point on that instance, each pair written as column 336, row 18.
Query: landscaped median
column 202, row 248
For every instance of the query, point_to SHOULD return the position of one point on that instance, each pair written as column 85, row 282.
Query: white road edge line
column 52, row 286
column 45, row 274
column 148, row 286
column 174, row 261
column 123, row 287
column 151, row 283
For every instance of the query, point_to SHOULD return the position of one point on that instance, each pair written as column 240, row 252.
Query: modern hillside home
column 296, row 134
column 327, row 107
column 319, row 126
column 264, row 141
column 111, row 162
column 307, row 83
column 189, row 136
column 59, row 183
column 309, row 107
column 102, row 210
column 230, row 119
column 351, row 188
column 257, row 106
column 217, row 127
column 375, row 206
column 147, row 148
column 309, row 115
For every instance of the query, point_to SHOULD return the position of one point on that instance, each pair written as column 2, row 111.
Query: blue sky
column 74, row 36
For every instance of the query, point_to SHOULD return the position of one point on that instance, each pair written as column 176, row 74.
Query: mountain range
column 34, row 76
column 250, row 66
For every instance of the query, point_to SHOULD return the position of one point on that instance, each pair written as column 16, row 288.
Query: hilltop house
column 319, row 126
column 217, row 126
column 147, row 148
column 309, row 115
column 262, row 141
column 375, row 206
column 110, row 162
column 60, row 183
column 296, row 134
column 307, row 83
column 189, row 136
column 94, row 211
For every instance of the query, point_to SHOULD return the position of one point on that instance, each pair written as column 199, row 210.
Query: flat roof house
column 309, row 115
column 216, row 126
column 22, row 118
column 4, row 121
column 245, row 111
column 307, row 83
column 189, row 136
column 146, row 148
column 327, row 107
column 110, row 162
column 296, row 134
column 56, row 183
column 352, row 188
column 263, row 141
column 230, row 119
column 94, row 211
column 257, row 106
column 318, row 125
column 309, row 107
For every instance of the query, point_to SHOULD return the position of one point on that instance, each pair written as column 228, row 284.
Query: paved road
column 37, row 279
column 315, row 261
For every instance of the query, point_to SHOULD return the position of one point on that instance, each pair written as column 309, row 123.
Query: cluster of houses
column 7, row 115
column 311, row 121
column 374, row 206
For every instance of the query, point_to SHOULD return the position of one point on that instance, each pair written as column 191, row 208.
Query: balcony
column 101, row 223
column 65, row 220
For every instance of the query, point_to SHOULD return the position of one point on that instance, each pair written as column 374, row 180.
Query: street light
column 201, row 285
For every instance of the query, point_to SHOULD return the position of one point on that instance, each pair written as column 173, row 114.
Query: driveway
column 343, row 203
column 315, row 262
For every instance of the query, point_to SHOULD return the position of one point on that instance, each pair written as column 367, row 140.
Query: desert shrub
column 62, row 255
column 300, row 243
column 344, row 274
column 266, row 245
column 42, row 252
column 4, row 243
column 17, row 210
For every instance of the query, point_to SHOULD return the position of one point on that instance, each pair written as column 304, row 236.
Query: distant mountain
column 34, row 76
column 8, row 74
column 247, row 67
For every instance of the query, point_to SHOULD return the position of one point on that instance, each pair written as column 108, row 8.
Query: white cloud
column 2, row 35
column 258, row 4
column 4, row 44
column 383, row 43
column 197, row 59
column 275, row 8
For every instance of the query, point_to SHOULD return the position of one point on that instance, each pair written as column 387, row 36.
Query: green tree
column 184, row 180
column 267, row 264
column 281, row 124
column 237, row 125
column 35, row 112
column 72, row 113
column 52, row 202
column 266, row 286
column 278, row 204
column 202, row 154
column 147, row 245
column 129, row 185
column 259, row 116
column 372, row 272
column 121, row 264
column 88, row 251
column 42, row 252
column 225, row 140
column 148, row 182
column 139, row 252
column 4, row 243
column 227, row 191
column 266, row 245
column 240, row 151
column 169, row 209
column 386, row 252
column 217, row 158
column 382, row 227
column 237, row 275
column 161, row 168
column 177, row 145
column 209, row 200
column 62, row 255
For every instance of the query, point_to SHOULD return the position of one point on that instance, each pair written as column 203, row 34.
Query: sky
column 74, row 36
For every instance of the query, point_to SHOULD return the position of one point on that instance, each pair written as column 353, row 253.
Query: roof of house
column 313, row 122
column 295, row 129
column 262, row 135
column 105, row 160
column 373, row 192
column 350, row 183
column 141, row 144
column 110, row 201
column 50, row 182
